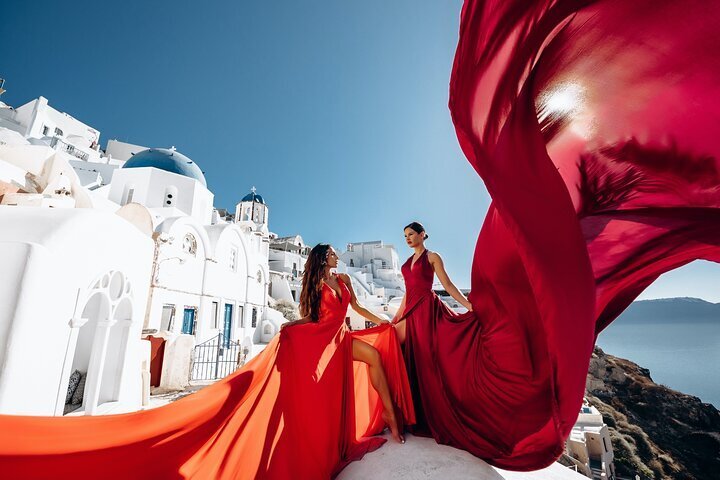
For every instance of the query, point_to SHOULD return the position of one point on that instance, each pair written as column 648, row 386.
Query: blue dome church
column 252, row 208
column 163, row 178
column 169, row 160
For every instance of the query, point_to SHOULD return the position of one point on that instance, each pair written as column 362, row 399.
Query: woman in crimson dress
column 304, row 408
column 417, row 321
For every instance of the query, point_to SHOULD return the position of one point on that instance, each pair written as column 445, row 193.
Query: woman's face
column 331, row 258
column 413, row 239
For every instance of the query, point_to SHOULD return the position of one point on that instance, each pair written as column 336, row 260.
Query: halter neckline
column 413, row 263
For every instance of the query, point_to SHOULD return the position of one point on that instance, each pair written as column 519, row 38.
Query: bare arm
column 400, row 311
column 357, row 306
column 447, row 284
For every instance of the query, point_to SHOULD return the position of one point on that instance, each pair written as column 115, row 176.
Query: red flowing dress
column 594, row 127
column 300, row 409
column 428, row 321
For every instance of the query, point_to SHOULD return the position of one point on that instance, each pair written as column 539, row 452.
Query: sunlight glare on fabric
column 564, row 99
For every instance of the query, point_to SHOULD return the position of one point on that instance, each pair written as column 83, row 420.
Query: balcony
column 60, row 145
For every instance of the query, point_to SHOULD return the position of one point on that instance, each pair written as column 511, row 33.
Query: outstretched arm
column 357, row 306
column 447, row 284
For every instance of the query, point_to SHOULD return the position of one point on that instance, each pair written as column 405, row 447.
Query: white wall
column 122, row 151
column 106, row 171
column 378, row 263
column 209, row 277
column 38, row 113
column 281, row 261
column 225, row 284
column 58, row 260
column 151, row 185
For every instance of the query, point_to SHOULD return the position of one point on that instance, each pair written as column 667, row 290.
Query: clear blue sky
column 336, row 111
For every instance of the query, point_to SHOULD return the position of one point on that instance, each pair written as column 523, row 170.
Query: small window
column 233, row 259
column 45, row 130
column 129, row 193
column 259, row 214
column 259, row 276
column 268, row 330
column 253, row 322
column 170, row 196
column 189, row 324
column 58, row 132
column 168, row 318
column 215, row 312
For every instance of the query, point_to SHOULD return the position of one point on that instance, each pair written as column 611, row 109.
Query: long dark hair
column 312, row 281
column 417, row 228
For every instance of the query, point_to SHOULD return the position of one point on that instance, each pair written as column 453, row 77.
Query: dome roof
column 253, row 197
column 168, row 160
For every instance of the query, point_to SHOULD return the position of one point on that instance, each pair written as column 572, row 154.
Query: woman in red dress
column 418, row 321
column 302, row 409
column 325, row 298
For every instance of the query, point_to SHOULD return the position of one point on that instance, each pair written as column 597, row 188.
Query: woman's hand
column 289, row 324
column 469, row 306
column 382, row 321
column 295, row 322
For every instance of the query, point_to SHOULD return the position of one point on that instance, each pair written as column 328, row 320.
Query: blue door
column 227, row 325
column 189, row 321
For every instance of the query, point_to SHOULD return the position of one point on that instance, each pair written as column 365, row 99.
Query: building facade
column 132, row 254
column 589, row 445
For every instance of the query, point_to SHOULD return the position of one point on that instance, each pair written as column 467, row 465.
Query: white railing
column 58, row 144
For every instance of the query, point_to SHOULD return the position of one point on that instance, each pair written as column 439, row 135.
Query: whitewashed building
column 287, row 264
column 209, row 277
column 136, row 255
column 73, row 298
column 589, row 445
column 41, row 124
column 374, row 268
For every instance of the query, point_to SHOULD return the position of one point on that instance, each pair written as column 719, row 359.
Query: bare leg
column 400, row 330
column 365, row 353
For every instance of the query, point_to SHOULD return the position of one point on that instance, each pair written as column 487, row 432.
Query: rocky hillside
column 656, row 432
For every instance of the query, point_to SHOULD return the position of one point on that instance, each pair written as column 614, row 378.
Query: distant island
column 671, row 310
